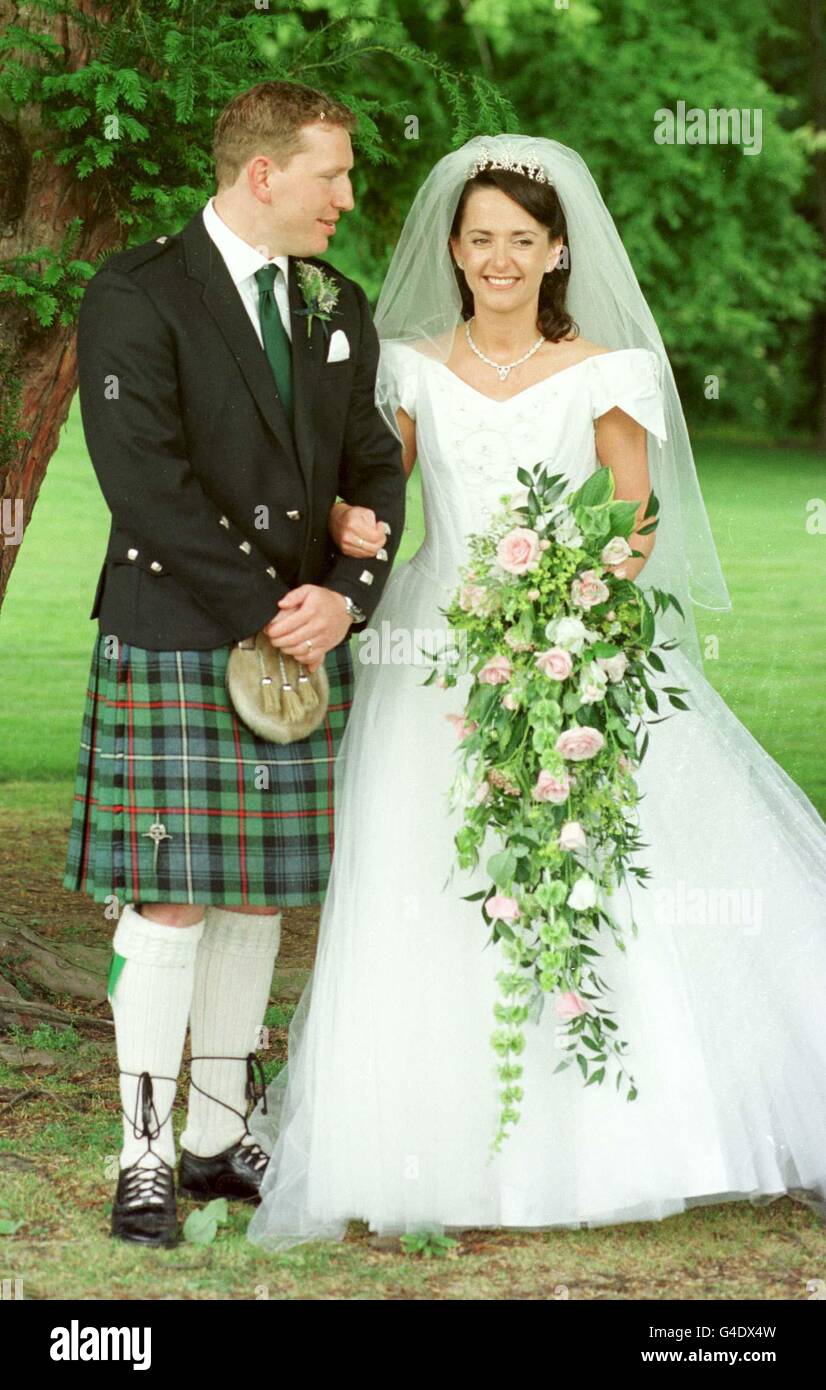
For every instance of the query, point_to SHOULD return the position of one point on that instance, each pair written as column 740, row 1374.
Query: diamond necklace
column 503, row 371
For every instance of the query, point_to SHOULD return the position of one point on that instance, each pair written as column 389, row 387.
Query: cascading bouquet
column 561, row 649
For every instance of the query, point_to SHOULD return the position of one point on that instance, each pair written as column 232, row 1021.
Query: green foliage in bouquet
column 561, row 648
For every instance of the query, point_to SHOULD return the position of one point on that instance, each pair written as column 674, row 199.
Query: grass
column 58, row 1175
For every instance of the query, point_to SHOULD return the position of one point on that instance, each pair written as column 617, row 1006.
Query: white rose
column 615, row 551
column 572, row 836
column 593, row 685
column 570, row 633
column 583, row 894
column 614, row 666
column 566, row 632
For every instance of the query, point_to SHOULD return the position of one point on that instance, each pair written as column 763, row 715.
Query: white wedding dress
column 391, row 1095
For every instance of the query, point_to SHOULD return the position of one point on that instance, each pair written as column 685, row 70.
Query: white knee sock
column 233, row 974
column 150, row 999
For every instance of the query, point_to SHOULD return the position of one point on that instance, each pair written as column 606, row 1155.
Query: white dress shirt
column 242, row 261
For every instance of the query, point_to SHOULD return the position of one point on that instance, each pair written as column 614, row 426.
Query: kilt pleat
column 176, row 800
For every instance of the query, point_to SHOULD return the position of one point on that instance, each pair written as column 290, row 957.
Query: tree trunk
column 37, row 201
column 818, row 70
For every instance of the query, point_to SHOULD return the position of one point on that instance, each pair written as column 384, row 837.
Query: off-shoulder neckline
column 563, row 371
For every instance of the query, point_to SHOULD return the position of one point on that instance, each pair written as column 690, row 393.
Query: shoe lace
column 145, row 1104
column 147, row 1186
column 255, row 1089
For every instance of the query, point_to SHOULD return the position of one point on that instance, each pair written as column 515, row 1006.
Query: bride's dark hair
column 541, row 201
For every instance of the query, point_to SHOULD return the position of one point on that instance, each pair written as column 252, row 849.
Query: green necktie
column 276, row 341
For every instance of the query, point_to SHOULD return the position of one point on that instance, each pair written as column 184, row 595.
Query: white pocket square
column 339, row 349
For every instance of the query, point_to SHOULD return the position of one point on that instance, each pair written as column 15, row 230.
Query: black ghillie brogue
column 144, row 1209
column 237, row 1171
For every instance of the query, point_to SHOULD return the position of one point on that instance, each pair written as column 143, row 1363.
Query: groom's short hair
column 268, row 118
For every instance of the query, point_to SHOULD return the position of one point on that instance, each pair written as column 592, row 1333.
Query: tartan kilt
column 246, row 821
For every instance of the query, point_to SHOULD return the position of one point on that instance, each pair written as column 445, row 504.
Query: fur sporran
column 274, row 695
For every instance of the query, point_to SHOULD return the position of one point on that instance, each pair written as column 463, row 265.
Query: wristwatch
column 355, row 613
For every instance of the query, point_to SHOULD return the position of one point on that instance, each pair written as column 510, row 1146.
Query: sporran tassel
column 306, row 690
column 269, row 690
column 292, row 707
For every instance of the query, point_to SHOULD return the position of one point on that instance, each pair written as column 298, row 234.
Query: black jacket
column 216, row 511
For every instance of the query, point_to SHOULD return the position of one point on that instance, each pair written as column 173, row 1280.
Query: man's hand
column 311, row 614
column 356, row 531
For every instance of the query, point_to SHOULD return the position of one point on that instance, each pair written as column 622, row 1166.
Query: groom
column 226, row 405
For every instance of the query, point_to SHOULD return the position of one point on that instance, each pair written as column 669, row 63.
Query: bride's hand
column 355, row 530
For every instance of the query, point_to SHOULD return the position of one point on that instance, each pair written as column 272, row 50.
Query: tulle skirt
column 387, row 1108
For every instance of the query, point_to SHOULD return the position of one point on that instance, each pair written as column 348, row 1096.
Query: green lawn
column 770, row 667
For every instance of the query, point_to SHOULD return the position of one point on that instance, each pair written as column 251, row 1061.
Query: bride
column 387, row 1107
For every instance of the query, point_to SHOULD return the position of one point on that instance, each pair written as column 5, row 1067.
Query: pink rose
column 572, row 836
column 498, row 779
column 588, row 589
column 555, row 663
column 550, row 788
column 502, row 908
column 515, row 644
column 510, row 701
column 579, row 743
column 497, row 671
column 570, row 1006
column 518, row 550
column 463, row 727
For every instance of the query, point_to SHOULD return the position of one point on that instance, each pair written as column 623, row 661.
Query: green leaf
column 201, row 1226
column 502, row 867
column 596, row 1077
column 647, row 628
column 623, row 515
column 596, row 490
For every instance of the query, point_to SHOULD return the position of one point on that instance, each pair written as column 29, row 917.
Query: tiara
column 529, row 163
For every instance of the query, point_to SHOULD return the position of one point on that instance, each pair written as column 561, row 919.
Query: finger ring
column 308, row 644
column 360, row 542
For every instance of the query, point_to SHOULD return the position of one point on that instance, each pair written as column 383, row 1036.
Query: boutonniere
column 320, row 293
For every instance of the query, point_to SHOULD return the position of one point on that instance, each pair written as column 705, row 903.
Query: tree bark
column 818, row 71
column 38, row 201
